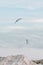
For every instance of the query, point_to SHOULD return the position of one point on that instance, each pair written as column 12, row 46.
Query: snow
column 30, row 53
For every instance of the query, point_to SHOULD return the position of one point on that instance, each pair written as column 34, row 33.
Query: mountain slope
column 15, row 60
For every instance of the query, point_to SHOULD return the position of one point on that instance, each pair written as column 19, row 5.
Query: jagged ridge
column 15, row 60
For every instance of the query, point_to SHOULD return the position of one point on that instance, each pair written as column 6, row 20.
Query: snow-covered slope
column 30, row 53
column 16, row 60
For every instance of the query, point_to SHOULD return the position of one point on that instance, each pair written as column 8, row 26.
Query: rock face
column 15, row 60
column 38, row 61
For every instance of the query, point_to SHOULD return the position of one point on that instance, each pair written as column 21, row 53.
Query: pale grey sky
column 31, row 12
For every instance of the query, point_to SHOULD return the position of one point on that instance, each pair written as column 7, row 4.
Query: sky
column 28, row 10
column 29, row 53
column 31, row 12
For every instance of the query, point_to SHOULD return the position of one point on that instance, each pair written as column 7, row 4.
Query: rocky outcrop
column 15, row 60
column 38, row 61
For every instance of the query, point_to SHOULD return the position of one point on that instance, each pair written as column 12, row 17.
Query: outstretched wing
column 18, row 20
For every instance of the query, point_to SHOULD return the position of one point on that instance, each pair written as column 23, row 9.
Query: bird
column 18, row 20
column 26, row 41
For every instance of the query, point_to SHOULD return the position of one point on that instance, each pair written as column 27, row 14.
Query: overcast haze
column 30, row 27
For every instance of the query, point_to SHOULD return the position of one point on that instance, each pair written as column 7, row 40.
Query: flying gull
column 18, row 20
